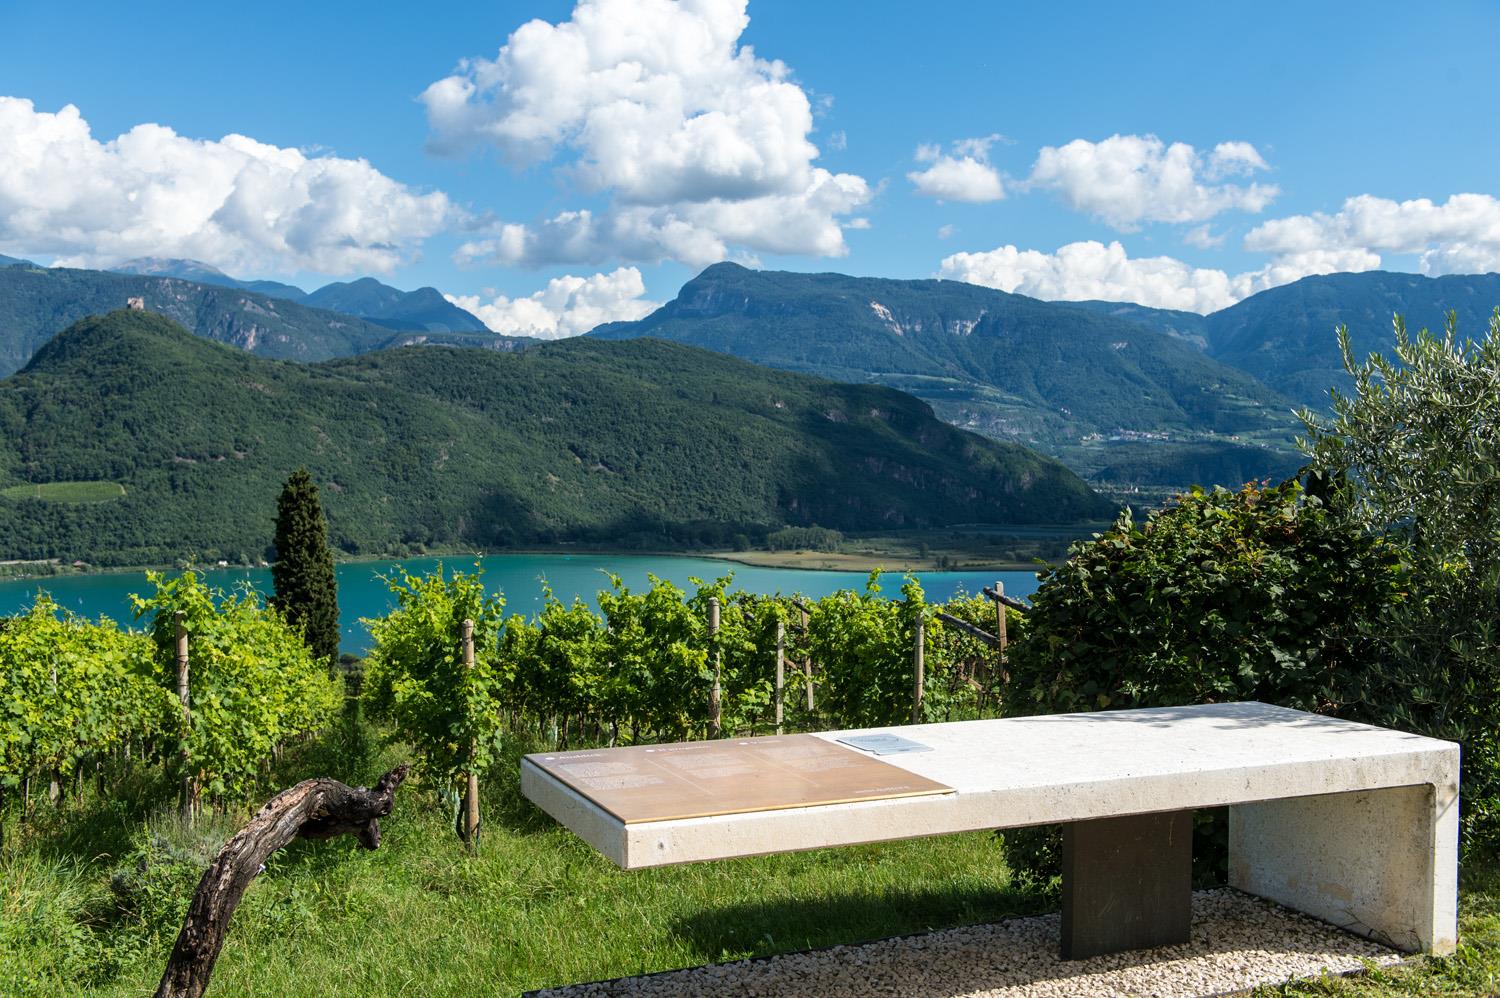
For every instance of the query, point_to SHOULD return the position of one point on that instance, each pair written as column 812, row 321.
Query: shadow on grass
column 790, row 924
column 89, row 828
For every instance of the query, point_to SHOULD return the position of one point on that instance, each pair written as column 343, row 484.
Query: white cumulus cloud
column 1462, row 235
column 699, row 145
column 963, row 174
column 1129, row 179
column 567, row 306
column 236, row 203
column 1091, row 270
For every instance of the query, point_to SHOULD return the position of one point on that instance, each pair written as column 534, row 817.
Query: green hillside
column 1285, row 336
column 36, row 302
column 621, row 443
column 1067, row 380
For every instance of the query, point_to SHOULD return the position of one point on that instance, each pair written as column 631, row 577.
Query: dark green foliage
column 436, row 447
column 1222, row 596
column 804, row 539
column 1012, row 367
column 306, row 591
column 1167, row 464
column 1284, row 336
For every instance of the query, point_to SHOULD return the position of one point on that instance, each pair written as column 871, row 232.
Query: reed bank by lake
column 362, row 593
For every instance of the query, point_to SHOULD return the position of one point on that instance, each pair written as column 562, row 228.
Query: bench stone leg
column 1382, row 864
column 1127, row 883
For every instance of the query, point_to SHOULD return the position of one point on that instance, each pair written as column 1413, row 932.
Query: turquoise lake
column 518, row 576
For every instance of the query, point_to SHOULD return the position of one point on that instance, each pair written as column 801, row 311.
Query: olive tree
column 1416, row 450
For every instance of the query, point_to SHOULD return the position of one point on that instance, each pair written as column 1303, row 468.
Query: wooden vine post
column 313, row 809
column 918, row 663
column 807, row 669
column 470, row 830
column 54, row 784
column 1000, row 617
column 715, row 706
column 780, row 672
column 189, row 785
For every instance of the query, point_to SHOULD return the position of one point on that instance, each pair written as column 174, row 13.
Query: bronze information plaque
column 730, row 776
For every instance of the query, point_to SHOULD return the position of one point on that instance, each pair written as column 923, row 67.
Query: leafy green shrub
column 415, row 675
column 659, row 667
column 70, row 688
column 1222, row 596
column 252, row 682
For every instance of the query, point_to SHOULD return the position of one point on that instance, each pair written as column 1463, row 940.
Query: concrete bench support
column 1378, row 863
column 1127, row 883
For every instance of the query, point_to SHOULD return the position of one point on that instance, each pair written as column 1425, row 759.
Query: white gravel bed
column 1238, row 942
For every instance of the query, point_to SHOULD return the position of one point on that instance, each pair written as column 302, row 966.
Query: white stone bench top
column 1122, row 745
column 1038, row 770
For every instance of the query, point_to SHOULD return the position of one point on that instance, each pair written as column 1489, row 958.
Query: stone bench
column 1349, row 823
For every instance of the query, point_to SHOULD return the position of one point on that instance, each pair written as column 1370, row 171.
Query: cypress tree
column 306, row 591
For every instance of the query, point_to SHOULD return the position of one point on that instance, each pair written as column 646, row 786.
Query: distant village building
column 136, row 304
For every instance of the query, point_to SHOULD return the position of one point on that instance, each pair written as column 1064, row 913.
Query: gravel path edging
column 1239, row 943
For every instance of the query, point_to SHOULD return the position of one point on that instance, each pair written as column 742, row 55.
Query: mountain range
column 643, row 442
column 1132, row 397
column 1091, row 388
column 1285, row 336
column 1126, row 394
column 424, row 309
column 36, row 302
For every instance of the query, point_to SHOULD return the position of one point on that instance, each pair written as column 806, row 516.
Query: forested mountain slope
column 1069, row 380
column 643, row 442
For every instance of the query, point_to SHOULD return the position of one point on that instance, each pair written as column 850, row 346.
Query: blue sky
column 1183, row 155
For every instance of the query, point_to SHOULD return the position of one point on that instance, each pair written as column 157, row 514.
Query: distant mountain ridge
column 424, row 309
column 642, row 442
column 203, row 273
column 36, row 302
column 1285, row 336
column 1072, row 381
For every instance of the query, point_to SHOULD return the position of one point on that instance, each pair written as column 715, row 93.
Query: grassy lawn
column 537, row 907
column 90, row 901
column 68, row 492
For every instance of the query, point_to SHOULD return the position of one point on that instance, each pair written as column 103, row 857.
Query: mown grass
column 536, row 907
column 66, row 492
column 90, row 901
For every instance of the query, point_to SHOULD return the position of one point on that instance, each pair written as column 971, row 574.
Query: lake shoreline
column 815, row 561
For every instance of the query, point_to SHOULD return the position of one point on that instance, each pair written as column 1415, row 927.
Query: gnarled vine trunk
column 313, row 809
